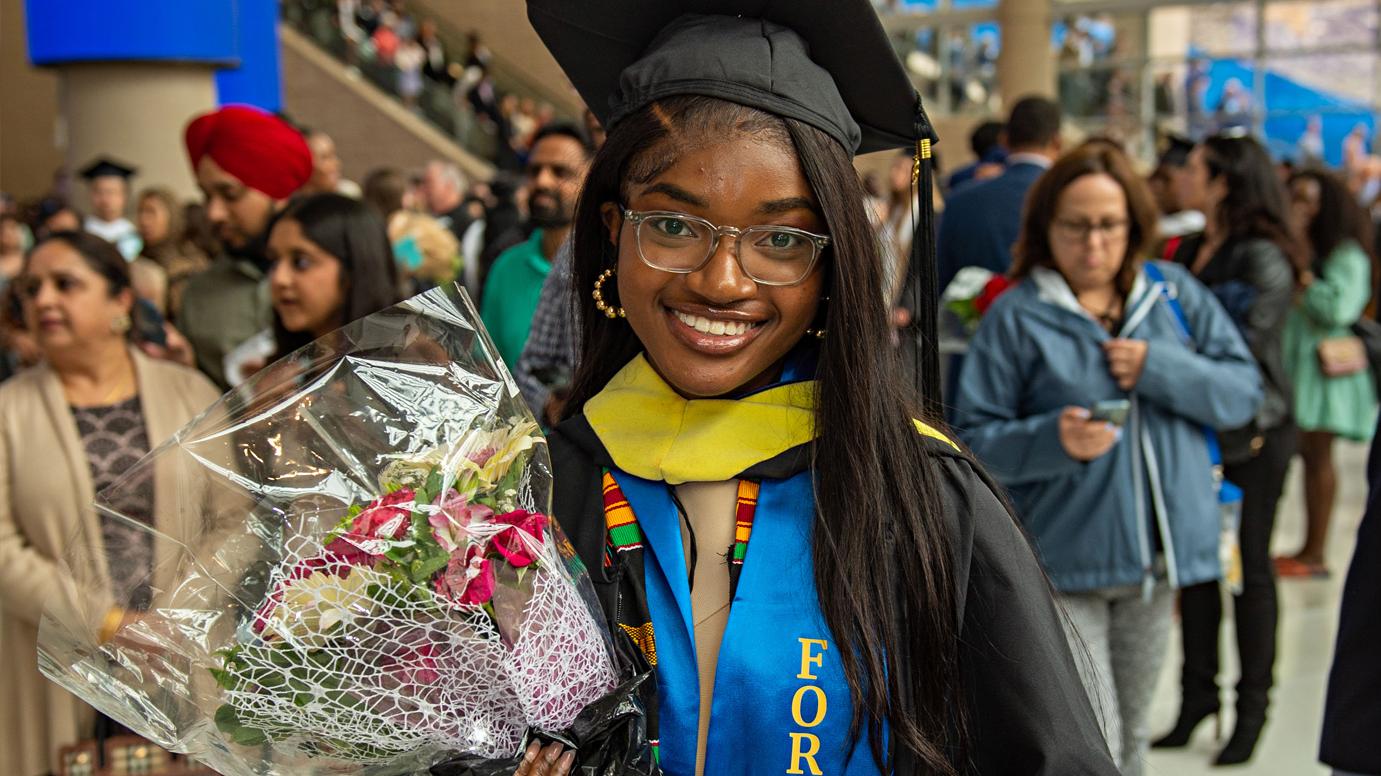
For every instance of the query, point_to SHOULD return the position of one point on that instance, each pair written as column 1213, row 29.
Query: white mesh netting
column 359, row 667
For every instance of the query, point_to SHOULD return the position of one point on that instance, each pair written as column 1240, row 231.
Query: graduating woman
column 820, row 582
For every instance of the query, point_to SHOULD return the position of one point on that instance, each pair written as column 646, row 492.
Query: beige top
column 45, row 503
column 710, row 509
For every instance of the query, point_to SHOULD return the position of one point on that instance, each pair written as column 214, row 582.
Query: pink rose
column 385, row 519
column 510, row 542
column 346, row 551
column 451, row 523
column 468, row 579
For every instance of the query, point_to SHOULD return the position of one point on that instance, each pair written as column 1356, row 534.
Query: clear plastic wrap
column 351, row 569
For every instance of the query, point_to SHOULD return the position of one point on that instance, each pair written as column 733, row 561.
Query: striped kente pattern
column 743, row 518
column 621, row 526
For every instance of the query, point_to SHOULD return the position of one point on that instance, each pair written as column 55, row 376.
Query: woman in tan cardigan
column 68, row 427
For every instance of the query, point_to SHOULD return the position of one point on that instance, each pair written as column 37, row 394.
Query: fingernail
column 1082, row 413
column 566, row 761
column 531, row 753
column 553, row 752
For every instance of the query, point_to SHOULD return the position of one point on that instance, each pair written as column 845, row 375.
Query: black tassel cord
column 919, row 340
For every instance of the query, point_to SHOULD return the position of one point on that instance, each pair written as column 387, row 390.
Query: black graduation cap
column 825, row 62
column 1175, row 150
column 105, row 167
column 828, row 63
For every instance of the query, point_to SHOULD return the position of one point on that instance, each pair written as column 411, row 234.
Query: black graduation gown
column 1352, row 715
column 1028, row 711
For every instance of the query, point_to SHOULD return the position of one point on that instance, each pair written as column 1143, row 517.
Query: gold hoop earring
column 598, row 294
column 121, row 324
column 816, row 333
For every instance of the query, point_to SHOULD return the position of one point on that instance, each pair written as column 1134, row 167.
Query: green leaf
column 424, row 568
column 248, row 737
column 433, row 485
column 227, row 719
column 223, row 678
column 302, row 699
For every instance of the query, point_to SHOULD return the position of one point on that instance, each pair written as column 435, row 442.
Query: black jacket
column 1028, row 711
column 1352, row 714
column 1254, row 280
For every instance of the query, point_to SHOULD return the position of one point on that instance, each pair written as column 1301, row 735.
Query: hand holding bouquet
column 365, row 577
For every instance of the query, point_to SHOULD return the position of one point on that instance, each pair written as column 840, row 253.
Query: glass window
column 1314, row 102
column 1219, row 30
column 1317, row 23
column 918, row 50
column 970, row 62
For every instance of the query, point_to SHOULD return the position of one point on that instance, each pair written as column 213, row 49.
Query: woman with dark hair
column 1086, row 391
column 330, row 263
column 1328, row 402
column 819, row 578
column 68, row 428
column 1249, row 258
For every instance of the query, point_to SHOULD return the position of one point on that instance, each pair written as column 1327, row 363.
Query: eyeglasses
column 1079, row 231
column 682, row 243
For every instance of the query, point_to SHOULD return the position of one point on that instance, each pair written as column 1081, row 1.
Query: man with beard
column 555, row 170
column 247, row 163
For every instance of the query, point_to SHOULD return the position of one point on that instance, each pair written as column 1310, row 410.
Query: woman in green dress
column 1339, row 235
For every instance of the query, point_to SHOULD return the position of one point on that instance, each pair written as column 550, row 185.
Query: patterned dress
column 115, row 438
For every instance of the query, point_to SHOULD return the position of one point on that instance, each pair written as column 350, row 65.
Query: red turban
column 258, row 148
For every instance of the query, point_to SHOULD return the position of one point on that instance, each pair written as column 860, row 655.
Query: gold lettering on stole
column 808, row 659
column 805, row 746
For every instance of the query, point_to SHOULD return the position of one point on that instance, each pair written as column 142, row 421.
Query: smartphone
column 148, row 324
column 1112, row 411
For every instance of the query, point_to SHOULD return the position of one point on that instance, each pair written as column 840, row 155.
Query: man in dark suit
column 1352, row 715
column 981, row 221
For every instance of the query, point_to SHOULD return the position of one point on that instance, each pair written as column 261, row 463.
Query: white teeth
column 716, row 328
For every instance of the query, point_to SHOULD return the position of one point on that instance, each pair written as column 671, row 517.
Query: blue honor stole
column 781, row 703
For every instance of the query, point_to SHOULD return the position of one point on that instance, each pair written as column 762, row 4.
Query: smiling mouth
column 713, row 336
column 714, row 327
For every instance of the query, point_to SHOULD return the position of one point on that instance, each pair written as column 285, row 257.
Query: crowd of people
column 1156, row 350
column 444, row 78
column 1219, row 296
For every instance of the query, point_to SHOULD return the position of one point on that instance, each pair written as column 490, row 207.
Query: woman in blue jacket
column 1122, row 511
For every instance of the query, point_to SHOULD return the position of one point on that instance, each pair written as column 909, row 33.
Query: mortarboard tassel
column 920, row 351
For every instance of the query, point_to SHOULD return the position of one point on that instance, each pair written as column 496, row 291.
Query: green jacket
column 510, row 296
column 221, row 308
column 1346, row 405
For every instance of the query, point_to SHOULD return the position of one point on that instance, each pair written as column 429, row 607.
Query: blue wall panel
column 256, row 81
column 62, row 31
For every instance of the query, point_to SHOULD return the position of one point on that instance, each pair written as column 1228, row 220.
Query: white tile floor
column 1308, row 621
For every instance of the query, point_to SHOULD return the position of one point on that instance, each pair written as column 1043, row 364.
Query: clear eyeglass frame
column 637, row 218
column 1080, row 231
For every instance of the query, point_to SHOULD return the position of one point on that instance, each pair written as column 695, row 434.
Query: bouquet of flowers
column 971, row 293
column 357, row 572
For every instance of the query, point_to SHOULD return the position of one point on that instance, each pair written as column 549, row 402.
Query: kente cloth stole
column 781, row 703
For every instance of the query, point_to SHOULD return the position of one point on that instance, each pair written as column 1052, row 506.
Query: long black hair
column 355, row 235
column 1257, row 205
column 880, row 546
column 1340, row 217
